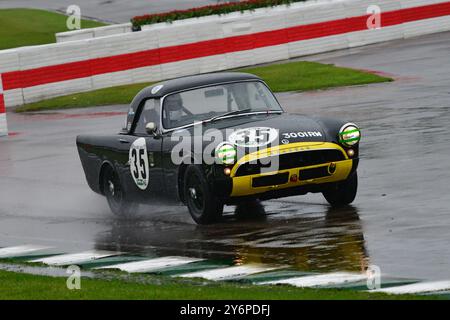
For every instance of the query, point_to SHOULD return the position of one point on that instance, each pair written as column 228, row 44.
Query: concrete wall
column 3, row 126
column 93, row 32
column 210, row 44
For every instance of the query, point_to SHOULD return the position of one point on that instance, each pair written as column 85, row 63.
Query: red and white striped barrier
column 3, row 125
column 208, row 44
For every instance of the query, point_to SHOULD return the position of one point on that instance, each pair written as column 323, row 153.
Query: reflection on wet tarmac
column 275, row 233
column 403, row 198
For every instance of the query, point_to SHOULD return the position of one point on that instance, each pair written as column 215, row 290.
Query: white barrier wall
column 3, row 126
column 9, row 62
column 93, row 32
column 208, row 44
column 424, row 26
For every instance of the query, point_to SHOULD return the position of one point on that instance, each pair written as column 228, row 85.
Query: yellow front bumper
column 242, row 185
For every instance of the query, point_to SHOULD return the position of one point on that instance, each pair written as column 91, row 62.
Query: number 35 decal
column 139, row 163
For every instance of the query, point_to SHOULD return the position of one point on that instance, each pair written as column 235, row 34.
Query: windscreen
column 187, row 107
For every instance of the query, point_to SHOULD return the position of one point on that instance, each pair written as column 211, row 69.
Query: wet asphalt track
column 400, row 220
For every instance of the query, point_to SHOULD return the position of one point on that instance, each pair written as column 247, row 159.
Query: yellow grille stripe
column 286, row 148
column 242, row 186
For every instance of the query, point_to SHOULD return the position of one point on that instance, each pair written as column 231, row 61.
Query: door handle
column 124, row 141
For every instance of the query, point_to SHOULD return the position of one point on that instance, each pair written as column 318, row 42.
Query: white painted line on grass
column 322, row 280
column 21, row 251
column 231, row 272
column 421, row 287
column 152, row 264
column 76, row 258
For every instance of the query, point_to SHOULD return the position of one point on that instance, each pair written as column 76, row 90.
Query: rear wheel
column 115, row 195
column 342, row 193
column 203, row 206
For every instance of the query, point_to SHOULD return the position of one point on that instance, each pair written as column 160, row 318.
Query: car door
column 144, row 178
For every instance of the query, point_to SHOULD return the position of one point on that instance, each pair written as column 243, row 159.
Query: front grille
column 290, row 160
column 272, row 180
column 314, row 173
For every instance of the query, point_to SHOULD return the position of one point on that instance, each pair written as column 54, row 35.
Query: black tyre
column 342, row 193
column 115, row 195
column 203, row 206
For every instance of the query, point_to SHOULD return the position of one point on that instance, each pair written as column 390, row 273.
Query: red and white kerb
column 3, row 126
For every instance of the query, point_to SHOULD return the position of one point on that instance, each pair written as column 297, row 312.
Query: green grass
column 291, row 76
column 26, row 27
column 32, row 287
column 304, row 75
column 101, row 97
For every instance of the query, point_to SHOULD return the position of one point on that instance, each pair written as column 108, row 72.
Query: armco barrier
column 207, row 44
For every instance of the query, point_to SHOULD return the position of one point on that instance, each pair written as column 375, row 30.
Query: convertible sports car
column 256, row 151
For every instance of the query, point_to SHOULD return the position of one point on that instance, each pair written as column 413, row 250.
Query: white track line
column 422, row 287
column 321, row 280
column 231, row 272
column 18, row 251
column 76, row 258
column 152, row 264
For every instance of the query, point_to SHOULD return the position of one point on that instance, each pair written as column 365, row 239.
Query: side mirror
column 151, row 128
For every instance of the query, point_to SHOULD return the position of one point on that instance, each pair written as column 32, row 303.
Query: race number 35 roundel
column 139, row 163
column 253, row 137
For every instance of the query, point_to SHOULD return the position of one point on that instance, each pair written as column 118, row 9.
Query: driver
column 174, row 109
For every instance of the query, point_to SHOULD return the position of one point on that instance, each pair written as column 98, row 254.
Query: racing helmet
column 173, row 107
column 173, row 103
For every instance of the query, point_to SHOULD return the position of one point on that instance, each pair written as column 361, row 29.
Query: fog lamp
column 351, row 152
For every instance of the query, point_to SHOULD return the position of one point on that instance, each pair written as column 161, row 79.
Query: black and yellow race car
column 216, row 139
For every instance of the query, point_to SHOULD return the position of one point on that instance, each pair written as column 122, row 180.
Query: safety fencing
column 209, row 44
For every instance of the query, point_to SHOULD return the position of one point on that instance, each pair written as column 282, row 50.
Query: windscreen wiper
column 229, row 114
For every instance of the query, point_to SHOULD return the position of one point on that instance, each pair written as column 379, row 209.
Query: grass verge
column 101, row 97
column 305, row 76
column 19, row 286
column 291, row 76
column 26, row 27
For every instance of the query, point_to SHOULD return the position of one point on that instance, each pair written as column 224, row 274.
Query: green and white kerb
column 349, row 135
column 226, row 153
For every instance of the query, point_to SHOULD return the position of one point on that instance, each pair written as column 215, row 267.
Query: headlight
column 349, row 135
column 226, row 153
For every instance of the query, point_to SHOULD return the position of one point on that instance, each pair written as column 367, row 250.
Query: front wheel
column 342, row 193
column 115, row 195
column 203, row 205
